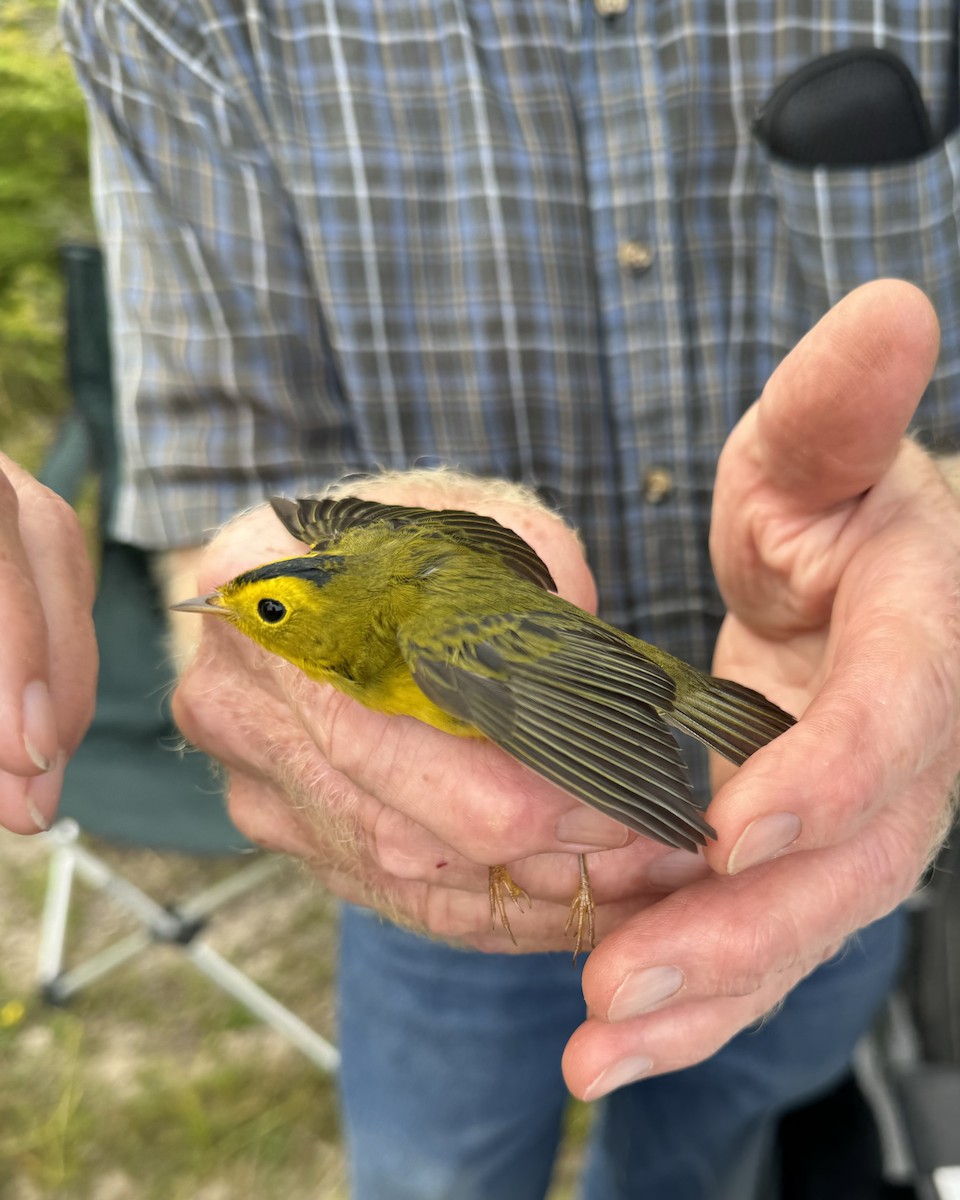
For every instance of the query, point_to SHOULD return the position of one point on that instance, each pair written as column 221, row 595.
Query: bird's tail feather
column 732, row 719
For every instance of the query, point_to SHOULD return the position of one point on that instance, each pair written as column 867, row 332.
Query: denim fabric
column 451, row 1083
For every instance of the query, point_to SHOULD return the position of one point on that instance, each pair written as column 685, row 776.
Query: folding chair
column 911, row 1062
column 127, row 783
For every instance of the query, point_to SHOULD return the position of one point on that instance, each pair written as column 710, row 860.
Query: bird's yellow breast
column 396, row 694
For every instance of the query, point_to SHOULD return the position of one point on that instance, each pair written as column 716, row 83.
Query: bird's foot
column 502, row 888
column 582, row 912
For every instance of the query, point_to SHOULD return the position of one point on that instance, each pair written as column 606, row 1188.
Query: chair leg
column 69, row 859
column 68, row 983
column 161, row 922
column 246, row 879
column 263, row 1005
column 56, row 905
column 178, row 927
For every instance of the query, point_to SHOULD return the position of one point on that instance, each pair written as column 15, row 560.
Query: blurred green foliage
column 43, row 201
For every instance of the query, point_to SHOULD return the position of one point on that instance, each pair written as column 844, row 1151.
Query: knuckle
column 884, row 869
column 451, row 915
column 182, row 707
column 187, row 706
column 501, row 827
column 246, row 808
column 329, row 716
column 390, row 845
column 753, row 952
column 58, row 513
column 9, row 504
column 888, row 862
column 61, row 526
column 510, row 826
column 211, row 713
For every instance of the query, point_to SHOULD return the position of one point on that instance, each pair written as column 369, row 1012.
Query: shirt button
column 657, row 485
column 635, row 257
column 611, row 8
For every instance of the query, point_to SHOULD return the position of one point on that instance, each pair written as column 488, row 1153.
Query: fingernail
column 36, row 816
column 763, row 839
column 676, row 869
column 582, row 826
column 627, row 1070
column 39, row 725
column 643, row 990
column 42, row 795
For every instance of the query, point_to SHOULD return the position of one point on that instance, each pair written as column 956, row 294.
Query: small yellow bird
column 450, row 617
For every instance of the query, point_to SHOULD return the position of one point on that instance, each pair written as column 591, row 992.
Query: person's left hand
column 836, row 543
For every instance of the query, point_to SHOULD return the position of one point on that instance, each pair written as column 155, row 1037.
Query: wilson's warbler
column 451, row 618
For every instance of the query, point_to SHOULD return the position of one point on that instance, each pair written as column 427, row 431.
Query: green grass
column 153, row 1085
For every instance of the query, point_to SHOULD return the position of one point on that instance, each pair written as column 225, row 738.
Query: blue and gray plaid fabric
column 520, row 238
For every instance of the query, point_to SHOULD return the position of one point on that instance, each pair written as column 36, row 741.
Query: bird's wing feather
column 580, row 710
column 321, row 523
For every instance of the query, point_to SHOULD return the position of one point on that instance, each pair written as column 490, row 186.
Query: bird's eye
column 271, row 611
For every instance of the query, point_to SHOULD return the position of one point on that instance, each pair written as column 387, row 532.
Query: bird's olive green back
column 321, row 524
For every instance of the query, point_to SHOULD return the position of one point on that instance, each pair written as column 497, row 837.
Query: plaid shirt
column 521, row 238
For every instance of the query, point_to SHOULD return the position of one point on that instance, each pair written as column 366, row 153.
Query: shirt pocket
column 848, row 225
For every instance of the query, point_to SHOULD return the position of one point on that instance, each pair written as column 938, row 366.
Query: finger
column 466, row 791
column 233, row 713
column 539, row 927
column 746, row 939
column 831, row 417
column 28, row 728
column 827, row 428
column 600, row 1057
column 295, row 743
column 47, row 692
column 889, row 707
column 28, row 803
column 454, row 908
column 843, row 766
column 407, row 850
column 58, row 559
column 728, row 944
column 282, row 793
column 263, row 814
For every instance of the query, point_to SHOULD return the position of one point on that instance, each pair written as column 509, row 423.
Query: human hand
column 837, row 546
column 49, row 653
column 393, row 813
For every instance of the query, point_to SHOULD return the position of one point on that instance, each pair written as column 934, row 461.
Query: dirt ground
column 153, row 1085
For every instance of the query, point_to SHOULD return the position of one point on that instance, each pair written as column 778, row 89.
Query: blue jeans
column 451, row 1086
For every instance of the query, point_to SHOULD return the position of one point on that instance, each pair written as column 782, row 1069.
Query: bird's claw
column 502, row 887
column 582, row 913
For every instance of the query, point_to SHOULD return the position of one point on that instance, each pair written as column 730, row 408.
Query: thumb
column 831, row 417
column 827, row 428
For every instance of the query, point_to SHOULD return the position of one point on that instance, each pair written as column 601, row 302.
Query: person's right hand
column 48, row 652
column 390, row 812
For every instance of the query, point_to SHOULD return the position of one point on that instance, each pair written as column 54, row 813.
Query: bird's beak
column 201, row 604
